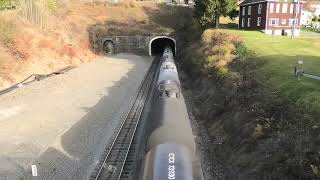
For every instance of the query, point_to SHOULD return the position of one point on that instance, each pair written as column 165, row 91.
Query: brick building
column 271, row 16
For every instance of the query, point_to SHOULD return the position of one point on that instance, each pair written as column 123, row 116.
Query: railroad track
column 120, row 153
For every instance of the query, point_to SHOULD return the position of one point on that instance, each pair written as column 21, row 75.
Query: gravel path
column 62, row 123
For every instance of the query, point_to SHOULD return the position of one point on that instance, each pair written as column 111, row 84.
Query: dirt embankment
column 27, row 49
column 255, row 132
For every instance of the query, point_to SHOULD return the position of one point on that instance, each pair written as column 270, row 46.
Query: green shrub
column 315, row 170
column 315, row 19
column 7, row 4
column 52, row 5
column 219, row 51
column 223, row 72
column 312, row 30
column 258, row 131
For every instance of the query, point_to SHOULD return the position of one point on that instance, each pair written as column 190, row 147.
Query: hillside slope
column 27, row 49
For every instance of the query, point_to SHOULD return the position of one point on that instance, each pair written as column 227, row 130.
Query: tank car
column 166, row 65
column 168, row 55
column 169, row 117
column 168, row 161
column 167, row 50
column 168, row 71
column 170, row 145
column 168, row 74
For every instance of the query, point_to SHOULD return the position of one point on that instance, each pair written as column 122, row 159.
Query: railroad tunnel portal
column 151, row 45
column 157, row 45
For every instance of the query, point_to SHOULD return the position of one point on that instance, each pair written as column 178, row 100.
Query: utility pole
column 296, row 11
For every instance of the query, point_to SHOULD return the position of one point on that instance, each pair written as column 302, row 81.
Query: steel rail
column 124, row 136
column 135, row 128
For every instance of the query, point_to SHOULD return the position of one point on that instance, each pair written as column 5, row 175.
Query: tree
column 314, row 19
column 233, row 14
column 309, row 5
column 208, row 12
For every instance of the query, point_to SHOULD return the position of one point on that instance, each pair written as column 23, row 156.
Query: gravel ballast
column 62, row 123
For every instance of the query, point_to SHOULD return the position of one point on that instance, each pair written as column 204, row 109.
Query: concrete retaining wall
column 130, row 44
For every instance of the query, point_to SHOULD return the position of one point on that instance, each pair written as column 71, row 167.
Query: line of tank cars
column 171, row 149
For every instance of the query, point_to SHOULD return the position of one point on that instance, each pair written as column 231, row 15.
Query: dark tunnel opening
column 158, row 45
column 108, row 47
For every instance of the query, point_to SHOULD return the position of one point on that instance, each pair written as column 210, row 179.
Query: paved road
column 60, row 124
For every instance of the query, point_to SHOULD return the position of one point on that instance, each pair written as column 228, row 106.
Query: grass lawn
column 281, row 55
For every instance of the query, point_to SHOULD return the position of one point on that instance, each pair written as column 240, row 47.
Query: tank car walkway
column 60, row 123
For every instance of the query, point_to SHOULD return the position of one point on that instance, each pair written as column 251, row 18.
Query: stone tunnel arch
column 157, row 45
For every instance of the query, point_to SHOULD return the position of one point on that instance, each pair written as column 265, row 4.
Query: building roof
column 251, row 1
column 259, row 1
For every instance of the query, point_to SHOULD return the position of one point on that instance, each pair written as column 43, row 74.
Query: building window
column 271, row 7
column 291, row 22
column 242, row 22
column 291, row 8
column 249, row 21
column 284, row 8
column 259, row 8
column 244, row 11
column 249, row 10
column 297, row 8
column 278, row 8
column 273, row 22
column 259, row 21
column 283, row 21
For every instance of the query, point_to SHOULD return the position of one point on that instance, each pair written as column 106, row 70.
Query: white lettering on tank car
column 171, row 158
column 171, row 172
column 171, row 168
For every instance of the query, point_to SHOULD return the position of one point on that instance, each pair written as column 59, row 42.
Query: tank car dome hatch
column 167, row 50
column 168, row 89
column 168, row 57
column 158, row 45
column 168, row 66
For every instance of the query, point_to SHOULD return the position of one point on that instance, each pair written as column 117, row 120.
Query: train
column 170, row 147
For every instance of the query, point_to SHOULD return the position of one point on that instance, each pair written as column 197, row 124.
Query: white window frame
column 274, row 19
column 259, row 21
column 284, row 7
column 271, row 7
column 291, row 8
column 249, row 22
column 259, row 8
column 292, row 20
column 243, row 11
column 283, row 21
column 278, row 8
column 249, row 10
column 242, row 22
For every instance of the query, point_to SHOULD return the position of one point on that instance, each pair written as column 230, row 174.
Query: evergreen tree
column 208, row 12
